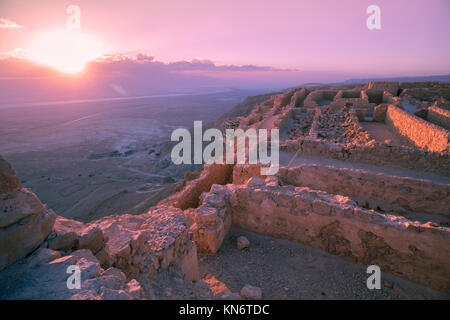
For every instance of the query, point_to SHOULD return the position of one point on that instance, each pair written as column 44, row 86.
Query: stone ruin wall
column 439, row 116
column 389, row 86
column 373, row 153
column 422, row 133
column 331, row 222
column 336, row 223
column 22, row 213
column 377, row 191
column 357, row 99
column 315, row 97
column 297, row 100
column 189, row 196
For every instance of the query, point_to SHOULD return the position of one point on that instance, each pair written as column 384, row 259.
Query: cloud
column 121, row 75
column 204, row 65
column 15, row 53
column 8, row 24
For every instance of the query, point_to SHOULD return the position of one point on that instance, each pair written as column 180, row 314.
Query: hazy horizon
column 133, row 48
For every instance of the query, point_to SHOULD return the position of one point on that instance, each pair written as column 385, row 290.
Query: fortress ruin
column 364, row 175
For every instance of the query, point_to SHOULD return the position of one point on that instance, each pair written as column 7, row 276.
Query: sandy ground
column 381, row 132
column 288, row 270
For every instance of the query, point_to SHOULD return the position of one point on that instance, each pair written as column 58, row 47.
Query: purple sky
column 319, row 35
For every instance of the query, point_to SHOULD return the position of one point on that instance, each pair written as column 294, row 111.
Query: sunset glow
column 65, row 50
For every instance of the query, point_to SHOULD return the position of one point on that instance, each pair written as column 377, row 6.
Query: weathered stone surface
column 420, row 132
column 372, row 153
column 439, row 116
column 9, row 181
column 22, row 236
column 389, row 86
column 69, row 234
column 143, row 245
column 392, row 193
column 340, row 126
column 65, row 234
column 338, row 225
column 379, row 113
column 272, row 181
column 189, row 196
column 92, row 238
column 242, row 243
column 44, row 275
column 255, row 182
column 212, row 220
column 251, row 292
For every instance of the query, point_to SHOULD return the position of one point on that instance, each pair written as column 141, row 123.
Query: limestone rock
column 251, row 292
column 92, row 238
column 212, row 219
column 24, row 221
column 49, row 274
column 242, row 243
column 255, row 182
column 272, row 181
column 22, row 236
column 65, row 234
column 143, row 245
column 9, row 181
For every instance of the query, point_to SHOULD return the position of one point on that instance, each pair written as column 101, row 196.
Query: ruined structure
column 361, row 177
column 365, row 175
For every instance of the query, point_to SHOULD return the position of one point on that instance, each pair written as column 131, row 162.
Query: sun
column 65, row 50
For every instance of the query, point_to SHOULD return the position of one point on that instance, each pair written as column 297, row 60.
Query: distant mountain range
column 23, row 81
column 440, row 78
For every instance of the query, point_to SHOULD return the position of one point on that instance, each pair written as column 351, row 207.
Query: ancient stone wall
column 389, row 86
column 319, row 98
column 338, row 225
column 439, row 116
column 282, row 100
column 211, row 221
column 24, row 221
column 350, row 98
column 299, row 97
column 373, row 153
column 422, row 133
column 189, row 196
column 143, row 245
column 385, row 192
column 377, row 191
